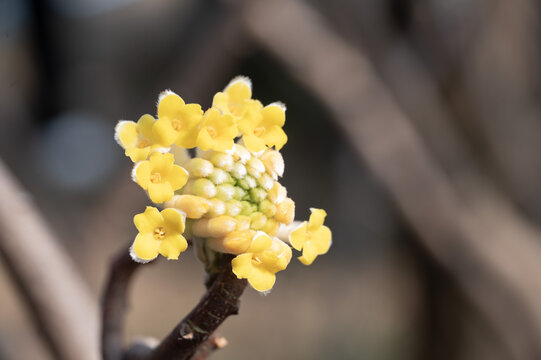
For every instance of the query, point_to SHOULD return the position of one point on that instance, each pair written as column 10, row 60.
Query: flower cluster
column 227, row 198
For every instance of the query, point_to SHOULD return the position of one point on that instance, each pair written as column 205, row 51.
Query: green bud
column 257, row 194
column 265, row 181
column 233, row 207
column 267, row 208
column 238, row 171
column 257, row 220
column 204, row 188
column 217, row 208
column 240, row 193
column 218, row 176
column 222, row 160
column 248, row 182
column 199, row 167
column 225, row 192
column 247, row 208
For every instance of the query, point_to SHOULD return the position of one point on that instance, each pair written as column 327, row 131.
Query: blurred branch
column 192, row 337
column 49, row 282
column 492, row 252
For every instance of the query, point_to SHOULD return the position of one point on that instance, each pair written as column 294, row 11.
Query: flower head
column 159, row 233
column 236, row 95
column 266, row 129
column 312, row 237
column 178, row 122
column 263, row 259
column 217, row 131
column 137, row 139
column 160, row 176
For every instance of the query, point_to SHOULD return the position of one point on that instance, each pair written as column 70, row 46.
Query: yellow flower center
column 256, row 261
column 159, row 233
column 143, row 143
column 235, row 108
column 176, row 124
column 155, row 178
column 212, row 131
column 258, row 131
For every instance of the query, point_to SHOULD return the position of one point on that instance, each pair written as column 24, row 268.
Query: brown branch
column 114, row 306
column 192, row 333
column 66, row 313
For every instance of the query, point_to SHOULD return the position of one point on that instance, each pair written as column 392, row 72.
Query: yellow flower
column 178, row 122
column 263, row 259
column 234, row 98
column 159, row 233
column 137, row 139
column 160, row 176
column 217, row 131
column 266, row 130
column 313, row 237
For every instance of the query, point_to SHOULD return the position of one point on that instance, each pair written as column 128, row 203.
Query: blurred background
column 415, row 124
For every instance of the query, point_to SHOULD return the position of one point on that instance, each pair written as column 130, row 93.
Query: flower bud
column 274, row 163
column 199, row 167
column 277, row 193
column 243, row 222
column 233, row 207
column 265, row 181
column 240, row 153
column 236, row 242
column 193, row 206
column 285, row 211
column 271, row 227
column 258, row 194
column 247, row 182
column 222, row 160
column 215, row 227
column 225, row 192
column 218, row 176
column 267, row 208
column 240, row 193
column 217, row 207
column 238, row 171
column 204, row 188
column 257, row 220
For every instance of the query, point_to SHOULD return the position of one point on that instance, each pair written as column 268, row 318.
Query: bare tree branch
column 65, row 310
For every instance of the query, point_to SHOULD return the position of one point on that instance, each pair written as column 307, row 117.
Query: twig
column 114, row 305
column 66, row 313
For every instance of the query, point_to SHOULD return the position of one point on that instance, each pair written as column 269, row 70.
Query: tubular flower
column 263, row 259
column 267, row 129
column 137, row 139
column 159, row 233
column 226, row 198
column 217, row 131
column 160, row 176
column 178, row 122
column 312, row 237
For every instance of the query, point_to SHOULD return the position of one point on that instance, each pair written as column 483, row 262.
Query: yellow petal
column 177, row 177
column 273, row 114
column 173, row 221
column 261, row 242
column 161, row 163
column 144, row 125
column 169, row 105
column 317, row 217
column 239, row 89
column 298, row 237
column 126, row 134
column 309, row 253
column 159, row 193
column 138, row 154
column 172, row 246
column 147, row 221
column 322, row 239
column 164, row 131
column 274, row 136
column 242, row 265
column 253, row 143
column 141, row 174
column 145, row 247
column 204, row 140
column 221, row 102
column 261, row 279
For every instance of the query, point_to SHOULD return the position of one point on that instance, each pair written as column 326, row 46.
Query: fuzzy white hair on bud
column 164, row 94
column 117, row 131
column 279, row 104
column 240, row 78
column 134, row 171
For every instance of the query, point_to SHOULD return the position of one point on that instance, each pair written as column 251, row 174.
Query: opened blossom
column 217, row 131
column 159, row 233
column 312, row 237
column 137, row 139
column 265, row 130
column 160, row 176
